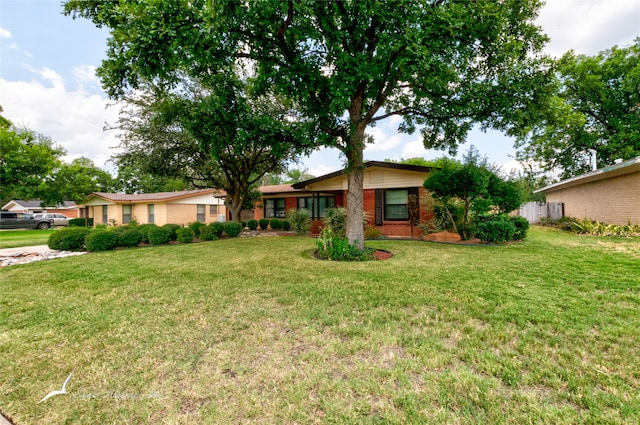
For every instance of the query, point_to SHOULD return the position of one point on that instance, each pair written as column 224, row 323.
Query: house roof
column 276, row 188
column 156, row 197
column 367, row 164
column 614, row 170
column 35, row 203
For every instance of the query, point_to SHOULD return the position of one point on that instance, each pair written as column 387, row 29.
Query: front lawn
column 27, row 237
column 254, row 330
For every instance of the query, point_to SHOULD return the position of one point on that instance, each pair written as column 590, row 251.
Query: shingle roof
column 276, row 188
column 158, row 196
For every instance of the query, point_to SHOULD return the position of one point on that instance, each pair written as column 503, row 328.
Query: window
column 151, row 213
column 200, row 213
column 213, row 210
column 105, row 215
column 321, row 204
column 275, row 208
column 395, row 204
column 126, row 214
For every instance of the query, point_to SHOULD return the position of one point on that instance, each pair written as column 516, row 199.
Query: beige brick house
column 181, row 207
column 610, row 194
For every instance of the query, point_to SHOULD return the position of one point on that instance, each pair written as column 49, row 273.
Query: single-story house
column 183, row 207
column 387, row 192
column 33, row 206
column 610, row 194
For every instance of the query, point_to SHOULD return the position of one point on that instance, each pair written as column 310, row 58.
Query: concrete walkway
column 36, row 249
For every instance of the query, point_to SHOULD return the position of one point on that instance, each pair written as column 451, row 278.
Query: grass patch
column 254, row 330
column 19, row 238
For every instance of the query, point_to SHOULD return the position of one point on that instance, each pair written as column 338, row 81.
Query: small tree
column 479, row 190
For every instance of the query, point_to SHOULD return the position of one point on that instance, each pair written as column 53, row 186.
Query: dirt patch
column 450, row 237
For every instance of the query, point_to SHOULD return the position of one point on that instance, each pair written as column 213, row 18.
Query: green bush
column 159, row 235
column 119, row 229
column 334, row 247
column 335, row 219
column 144, row 231
column 264, row 223
column 130, row 238
column 372, row 232
column 207, row 234
column 252, row 224
column 275, row 224
column 286, row 226
column 184, row 235
column 218, row 228
column 101, row 240
column 300, row 219
column 80, row 222
column 69, row 239
column 173, row 229
column 522, row 227
column 196, row 227
column 496, row 229
column 232, row 229
column 244, row 224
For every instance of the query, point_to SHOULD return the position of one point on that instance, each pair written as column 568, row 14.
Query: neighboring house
column 33, row 206
column 387, row 190
column 184, row 207
column 610, row 194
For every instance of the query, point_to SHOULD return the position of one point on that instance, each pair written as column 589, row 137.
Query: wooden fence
column 534, row 211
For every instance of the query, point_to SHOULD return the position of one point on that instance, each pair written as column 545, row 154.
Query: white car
column 58, row 219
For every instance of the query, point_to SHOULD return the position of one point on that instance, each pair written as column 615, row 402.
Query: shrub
column 69, row 239
column 232, row 229
column 286, row 226
column 334, row 247
column 336, row 220
column 496, row 229
column 119, row 230
column 218, row 228
column 130, row 238
column 184, row 235
column 196, row 227
column 372, row 232
column 252, row 224
column 144, row 231
column 264, row 223
column 522, row 226
column 173, row 229
column 159, row 235
column 275, row 224
column 207, row 234
column 101, row 240
column 300, row 219
column 244, row 224
column 80, row 222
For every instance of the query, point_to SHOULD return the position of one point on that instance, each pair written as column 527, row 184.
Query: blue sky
column 48, row 83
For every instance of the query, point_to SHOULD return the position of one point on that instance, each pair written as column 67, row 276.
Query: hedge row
column 103, row 239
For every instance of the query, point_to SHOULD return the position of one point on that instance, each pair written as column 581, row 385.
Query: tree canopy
column 442, row 65
column 220, row 136
column 597, row 109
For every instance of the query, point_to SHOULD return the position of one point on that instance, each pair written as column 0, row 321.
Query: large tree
column 443, row 65
column 597, row 110
column 209, row 135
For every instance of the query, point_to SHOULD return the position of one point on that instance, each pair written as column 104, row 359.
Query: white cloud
column 4, row 33
column 589, row 27
column 382, row 141
column 72, row 118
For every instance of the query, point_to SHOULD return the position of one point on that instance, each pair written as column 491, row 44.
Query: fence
column 534, row 211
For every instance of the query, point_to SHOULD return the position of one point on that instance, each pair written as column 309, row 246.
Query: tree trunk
column 355, row 196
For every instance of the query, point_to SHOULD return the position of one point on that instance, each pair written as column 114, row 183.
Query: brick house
column 610, row 194
column 388, row 188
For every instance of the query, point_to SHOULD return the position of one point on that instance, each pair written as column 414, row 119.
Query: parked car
column 58, row 219
column 14, row 220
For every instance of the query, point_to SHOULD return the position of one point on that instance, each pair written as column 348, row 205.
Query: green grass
column 254, row 330
column 20, row 238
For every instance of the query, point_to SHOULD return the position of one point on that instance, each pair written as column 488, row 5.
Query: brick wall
column 612, row 201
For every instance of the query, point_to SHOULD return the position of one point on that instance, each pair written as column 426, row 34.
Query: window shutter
column 378, row 207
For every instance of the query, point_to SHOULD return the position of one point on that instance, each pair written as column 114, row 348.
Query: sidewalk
column 36, row 249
